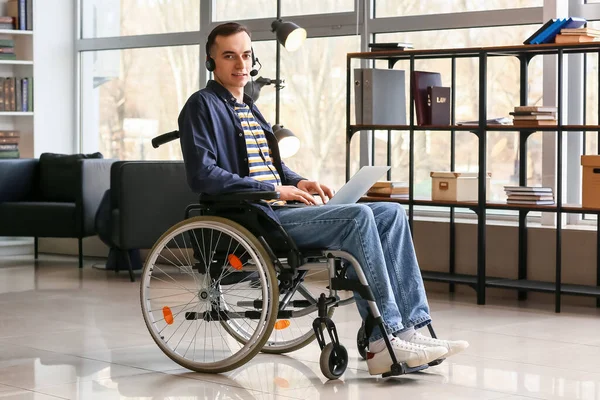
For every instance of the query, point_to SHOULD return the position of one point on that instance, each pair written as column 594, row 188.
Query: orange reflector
column 168, row 315
column 282, row 324
column 235, row 262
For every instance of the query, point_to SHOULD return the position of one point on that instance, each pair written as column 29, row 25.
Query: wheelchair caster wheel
column 362, row 342
column 333, row 361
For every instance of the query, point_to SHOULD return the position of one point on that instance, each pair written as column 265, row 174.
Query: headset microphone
column 254, row 70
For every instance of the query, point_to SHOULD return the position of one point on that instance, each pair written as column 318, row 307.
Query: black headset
column 211, row 65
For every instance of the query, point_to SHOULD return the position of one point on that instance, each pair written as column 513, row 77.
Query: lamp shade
column 290, row 35
column 289, row 144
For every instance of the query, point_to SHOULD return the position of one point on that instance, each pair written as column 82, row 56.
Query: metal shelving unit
column 524, row 53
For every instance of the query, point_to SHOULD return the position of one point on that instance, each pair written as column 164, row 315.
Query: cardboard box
column 590, row 186
column 456, row 186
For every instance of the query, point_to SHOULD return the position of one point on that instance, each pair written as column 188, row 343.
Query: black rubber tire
column 333, row 361
column 362, row 342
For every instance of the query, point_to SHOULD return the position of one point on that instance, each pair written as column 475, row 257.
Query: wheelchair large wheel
column 290, row 334
column 201, row 274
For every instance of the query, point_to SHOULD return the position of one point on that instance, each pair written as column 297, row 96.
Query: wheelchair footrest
column 402, row 369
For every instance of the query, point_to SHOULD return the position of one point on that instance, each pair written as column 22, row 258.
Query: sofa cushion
column 59, row 175
column 37, row 218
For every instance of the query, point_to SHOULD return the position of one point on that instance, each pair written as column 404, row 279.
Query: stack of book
column 7, row 49
column 578, row 35
column 9, row 144
column 392, row 190
column 534, row 195
column 534, row 115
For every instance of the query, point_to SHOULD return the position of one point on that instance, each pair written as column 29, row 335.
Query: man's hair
column 227, row 29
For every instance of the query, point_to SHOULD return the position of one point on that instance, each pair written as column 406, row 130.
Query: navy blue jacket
column 214, row 147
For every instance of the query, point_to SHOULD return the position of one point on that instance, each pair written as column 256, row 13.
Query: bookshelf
column 524, row 53
column 22, row 67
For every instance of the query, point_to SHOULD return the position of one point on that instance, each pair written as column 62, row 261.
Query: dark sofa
column 53, row 196
column 146, row 198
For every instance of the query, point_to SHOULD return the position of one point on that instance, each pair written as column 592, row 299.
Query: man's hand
column 314, row 187
column 292, row 193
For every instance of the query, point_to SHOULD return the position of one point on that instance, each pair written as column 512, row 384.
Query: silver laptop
column 358, row 185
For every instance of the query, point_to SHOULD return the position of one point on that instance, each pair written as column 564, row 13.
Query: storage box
column 590, row 187
column 456, row 186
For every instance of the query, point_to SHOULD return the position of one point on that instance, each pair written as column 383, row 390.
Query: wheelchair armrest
column 238, row 197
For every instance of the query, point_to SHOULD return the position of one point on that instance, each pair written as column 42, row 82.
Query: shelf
column 16, row 113
column 524, row 284
column 580, row 290
column 416, row 127
column 512, row 50
column 15, row 32
column 15, row 62
column 449, row 278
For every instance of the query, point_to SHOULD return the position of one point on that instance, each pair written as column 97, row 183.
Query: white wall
column 54, row 72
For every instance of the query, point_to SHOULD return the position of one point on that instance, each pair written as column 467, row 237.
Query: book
column 534, row 117
column 533, row 202
column 5, row 134
column 388, row 196
column 388, row 191
column 9, row 154
column 7, row 43
column 545, row 196
column 8, row 56
column 540, row 30
column 10, row 140
column 390, row 46
column 547, row 36
column 12, row 10
column 25, row 94
column 380, row 96
column 18, row 95
column 389, row 184
column 528, row 189
column 420, row 81
column 581, row 31
column 438, row 103
column 9, row 147
column 29, row 16
column 535, row 109
column 560, row 39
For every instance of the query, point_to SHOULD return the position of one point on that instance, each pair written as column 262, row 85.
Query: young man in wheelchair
column 228, row 146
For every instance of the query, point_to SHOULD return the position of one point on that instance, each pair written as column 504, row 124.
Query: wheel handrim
column 173, row 278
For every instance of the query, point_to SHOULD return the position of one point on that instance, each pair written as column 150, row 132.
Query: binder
column 380, row 96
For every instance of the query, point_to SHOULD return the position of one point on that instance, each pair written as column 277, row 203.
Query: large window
column 393, row 8
column 106, row 18
column 132, row 95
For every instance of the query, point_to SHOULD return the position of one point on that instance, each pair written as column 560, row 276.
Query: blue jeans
column 378, row 236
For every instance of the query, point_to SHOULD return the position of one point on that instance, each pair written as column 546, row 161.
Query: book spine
column 367, row 97
column 358, row 96
column 25, row 94
column 9, row 154
column 9, row 147
column 29, row 15
column 22, row 15
column 18, row 95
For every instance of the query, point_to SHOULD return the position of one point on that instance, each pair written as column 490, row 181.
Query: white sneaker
column 411, row 354
column 453, row 346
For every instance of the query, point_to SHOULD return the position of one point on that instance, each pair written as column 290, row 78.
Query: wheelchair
column 228, row 282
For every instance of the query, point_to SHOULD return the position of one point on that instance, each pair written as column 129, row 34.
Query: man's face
column 233, row 59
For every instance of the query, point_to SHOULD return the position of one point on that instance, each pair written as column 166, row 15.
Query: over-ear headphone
column 211, row 65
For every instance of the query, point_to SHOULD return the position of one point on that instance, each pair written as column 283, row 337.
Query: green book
column 7, row 43
column 10, row 154
column 8, row 56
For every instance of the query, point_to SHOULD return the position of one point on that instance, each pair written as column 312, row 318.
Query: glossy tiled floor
column 66, row 333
